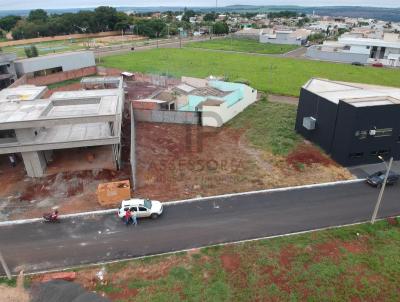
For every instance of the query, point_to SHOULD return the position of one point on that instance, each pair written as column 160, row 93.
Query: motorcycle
column 51, row 217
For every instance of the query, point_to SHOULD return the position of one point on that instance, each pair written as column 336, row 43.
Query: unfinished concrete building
column 8, row 74
column 68, row 120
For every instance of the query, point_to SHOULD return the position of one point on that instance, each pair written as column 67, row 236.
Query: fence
column 59, row 38
column 165, row 116
column 62, row 76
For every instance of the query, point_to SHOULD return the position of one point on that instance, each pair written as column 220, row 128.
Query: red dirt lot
column 183, row 161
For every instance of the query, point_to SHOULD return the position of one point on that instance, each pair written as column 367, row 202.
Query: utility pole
column 5, row 266
column 378, row 202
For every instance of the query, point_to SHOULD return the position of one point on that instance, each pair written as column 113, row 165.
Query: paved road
column 40, row 246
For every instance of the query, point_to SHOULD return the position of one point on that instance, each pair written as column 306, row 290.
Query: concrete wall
column 345, row 57
column 216, row 116
column 164, row 116
column 62, row 76
column 281, row 40
column 68, row 61
column 133, row 149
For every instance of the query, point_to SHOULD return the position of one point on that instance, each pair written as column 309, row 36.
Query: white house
column 351, row 48
column 297, row 37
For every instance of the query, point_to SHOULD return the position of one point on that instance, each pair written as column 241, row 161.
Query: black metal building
column 354, row 123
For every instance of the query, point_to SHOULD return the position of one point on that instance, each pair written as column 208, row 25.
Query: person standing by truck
column 134, row 218
column 128, row 217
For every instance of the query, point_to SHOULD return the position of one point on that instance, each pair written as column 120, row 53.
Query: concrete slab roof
column 60, row 95
column 45, row 113
column 352, row 93
column 22, row 93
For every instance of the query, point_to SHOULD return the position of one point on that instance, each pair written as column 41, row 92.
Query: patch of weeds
column 196, row 256
column 108, row 288
column 211, row 250
column 5, row 281
column 138, row 283
column 300, row 166
column 217, row 291
column 179, row 273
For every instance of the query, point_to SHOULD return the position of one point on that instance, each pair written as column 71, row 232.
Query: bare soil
column 182, row 161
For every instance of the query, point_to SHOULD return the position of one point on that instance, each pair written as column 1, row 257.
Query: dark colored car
column 357, row 64
column 377, row 178
column 377, row 64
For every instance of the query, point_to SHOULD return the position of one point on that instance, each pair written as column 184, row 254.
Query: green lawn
column 277, row 75
column 242, row 45
column 357, row 263
column 47, row 47
column 269, row 126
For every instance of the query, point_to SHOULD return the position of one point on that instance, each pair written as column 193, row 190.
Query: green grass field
column 282, row 76
column 242, row 45
column 47, row 47
column 269, row 126
column 357, row 263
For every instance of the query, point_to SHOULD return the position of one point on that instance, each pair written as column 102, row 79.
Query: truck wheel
column 154, row 216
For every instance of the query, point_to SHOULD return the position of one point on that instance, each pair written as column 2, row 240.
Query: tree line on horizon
column 104, row 18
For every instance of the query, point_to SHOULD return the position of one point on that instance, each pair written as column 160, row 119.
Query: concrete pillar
column 48, row 155
column 35, row 163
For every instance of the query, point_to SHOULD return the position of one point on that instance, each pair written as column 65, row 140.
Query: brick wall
column 62, row 76
column 21, row 81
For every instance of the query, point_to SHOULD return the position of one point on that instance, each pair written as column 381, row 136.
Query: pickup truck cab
column 142, row 207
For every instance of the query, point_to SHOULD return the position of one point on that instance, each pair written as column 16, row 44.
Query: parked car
column 357, row 64
column 377, row 178
column 377, row 64
column 142, row 207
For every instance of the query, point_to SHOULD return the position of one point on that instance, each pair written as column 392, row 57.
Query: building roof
column 56, row 55
column 359, row 95
column 209, row 91
column 22, row 93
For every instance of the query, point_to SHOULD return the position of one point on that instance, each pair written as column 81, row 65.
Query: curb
column 191, row 200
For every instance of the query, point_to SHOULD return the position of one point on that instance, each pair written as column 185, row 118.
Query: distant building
column 291, row 37
column 354, row 123
column 8, row 74
column 355, row 48
column 248, row 33
column 48, row 64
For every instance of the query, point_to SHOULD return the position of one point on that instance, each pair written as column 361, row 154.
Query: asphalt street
column 42, row 246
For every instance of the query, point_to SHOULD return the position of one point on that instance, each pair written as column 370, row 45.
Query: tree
column 220, row 28
column 105, row 18
column 8, row 22
column 37, row 15
column 31, row 51
column 210, row 17
column 187, row 15
column 318, row 37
